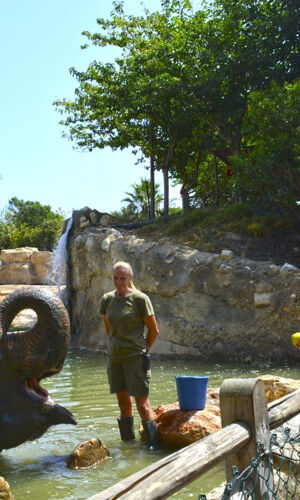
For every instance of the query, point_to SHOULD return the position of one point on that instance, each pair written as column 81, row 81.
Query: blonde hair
column 127, row 266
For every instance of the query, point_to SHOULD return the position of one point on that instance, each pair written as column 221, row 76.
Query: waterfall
column 58, row 264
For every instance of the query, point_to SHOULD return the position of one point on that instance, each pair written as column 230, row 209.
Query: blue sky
column 40, row 41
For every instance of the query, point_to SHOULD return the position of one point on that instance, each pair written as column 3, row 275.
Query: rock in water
column 88, row 454
column 178, row 428
column 5, row 493
column 277, row 387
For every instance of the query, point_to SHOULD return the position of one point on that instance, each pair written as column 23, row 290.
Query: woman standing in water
column 126, row 312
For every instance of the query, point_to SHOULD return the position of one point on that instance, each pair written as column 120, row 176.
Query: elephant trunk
column 41, row 350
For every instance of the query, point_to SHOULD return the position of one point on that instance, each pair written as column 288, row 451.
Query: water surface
column 37, row 471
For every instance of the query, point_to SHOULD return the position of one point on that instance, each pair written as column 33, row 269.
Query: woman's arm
column 153, row 331
column 106, row 325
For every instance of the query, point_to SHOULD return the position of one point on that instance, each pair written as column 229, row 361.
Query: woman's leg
column 144, row 409
column 125, row 404
column 126, row 421
column 149, row 422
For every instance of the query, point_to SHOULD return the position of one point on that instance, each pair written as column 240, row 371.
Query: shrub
column 239, row 210
column 186, row 222
column 256, row 229
column 5, row 235
column 44, row 237
column 28, row 223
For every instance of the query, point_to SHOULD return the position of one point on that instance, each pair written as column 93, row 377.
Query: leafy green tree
column 245, row 46
column 242, row 47
column 5, row 235
column 179, row 90
column 272, row 133
column 29, row 223
column 31, row 213
column 142, row 101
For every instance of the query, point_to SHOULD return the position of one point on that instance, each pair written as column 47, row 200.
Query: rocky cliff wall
column 213, row 306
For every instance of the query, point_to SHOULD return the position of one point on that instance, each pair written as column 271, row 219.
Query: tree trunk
column 165, row 168
column 185, row 199
column 166, row 191
column 152, row 175
column 152, row 188
column 216, row 180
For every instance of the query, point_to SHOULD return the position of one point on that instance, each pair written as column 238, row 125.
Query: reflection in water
column 37, row 469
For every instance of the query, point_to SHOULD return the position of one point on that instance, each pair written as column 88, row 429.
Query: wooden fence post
column 244, row 401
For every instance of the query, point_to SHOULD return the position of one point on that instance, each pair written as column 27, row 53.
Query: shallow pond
column 37, row 471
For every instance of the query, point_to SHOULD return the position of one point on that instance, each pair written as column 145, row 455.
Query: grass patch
column 196, row 227
column 186, row 222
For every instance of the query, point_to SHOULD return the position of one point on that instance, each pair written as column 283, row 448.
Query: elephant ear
column 41, row 350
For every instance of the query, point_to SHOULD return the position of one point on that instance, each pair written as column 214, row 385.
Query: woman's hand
column 297, row 345
column 150, row 322
column 106, row 325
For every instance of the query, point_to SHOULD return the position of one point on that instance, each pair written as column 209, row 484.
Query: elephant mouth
column 34, row 390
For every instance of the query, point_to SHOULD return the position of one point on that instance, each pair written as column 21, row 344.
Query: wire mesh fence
column 281, row 460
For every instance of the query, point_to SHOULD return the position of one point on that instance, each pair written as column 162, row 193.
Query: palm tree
column 139, row 199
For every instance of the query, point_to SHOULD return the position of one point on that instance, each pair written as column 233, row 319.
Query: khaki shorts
column 130, row 376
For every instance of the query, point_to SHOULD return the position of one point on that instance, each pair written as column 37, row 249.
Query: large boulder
column 41, row 262
column 88, row 454
column 178, row 428
column 87, row 217
column 16, row 273
column 24, row 266
column 21, row 255
column 277, row 387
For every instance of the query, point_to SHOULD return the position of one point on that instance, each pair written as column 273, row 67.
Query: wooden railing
column 246, row 419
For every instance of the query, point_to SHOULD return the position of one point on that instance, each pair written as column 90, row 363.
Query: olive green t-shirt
column 126, row 327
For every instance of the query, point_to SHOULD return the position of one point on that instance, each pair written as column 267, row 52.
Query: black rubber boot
column 151, row 435
column 126, row 428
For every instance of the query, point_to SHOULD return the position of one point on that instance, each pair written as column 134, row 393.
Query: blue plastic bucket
column 191, row 392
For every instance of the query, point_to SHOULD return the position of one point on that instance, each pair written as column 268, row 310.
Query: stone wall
column 27, row 266
column 215, row 306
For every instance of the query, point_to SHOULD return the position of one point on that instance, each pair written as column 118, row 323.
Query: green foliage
column 175, row 211
column 268, row 225
column 272, row 132
column 231, row 217
column 31, row 213
column 28, row 223
column 205, row 228
column 186, row 222
column 138, row 200
column 238, row 211
column 119, row 216
column 192, row 92
column 248, row 222
column 5, row 235
column 256, row 229
column 44, row 236
column 148, row 230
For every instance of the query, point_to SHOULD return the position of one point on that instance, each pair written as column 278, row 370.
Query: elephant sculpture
column 26, row 357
